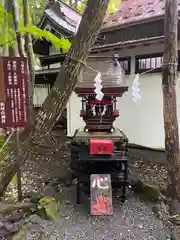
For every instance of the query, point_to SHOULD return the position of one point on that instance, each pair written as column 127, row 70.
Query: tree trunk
column 75, row 4
column 5, row 30
column 16, row 18
column 30, row 56
column 13, row 51
column 169, row 97
column 8, row 208
column 65, row 83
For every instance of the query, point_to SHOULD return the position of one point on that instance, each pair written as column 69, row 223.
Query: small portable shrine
column 99, row 115
column 98, row 151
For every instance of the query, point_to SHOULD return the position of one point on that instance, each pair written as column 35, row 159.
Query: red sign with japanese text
column 101, row 194
column 13, row 92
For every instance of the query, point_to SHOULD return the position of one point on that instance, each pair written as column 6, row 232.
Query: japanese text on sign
column 101, row 183
column 14, row 88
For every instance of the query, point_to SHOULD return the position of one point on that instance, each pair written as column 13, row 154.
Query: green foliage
column 112, row 7
column 10, row 37
column 14, row 180
column 43, row 34
column 5, row 20
column 35, row 14
column 148, row 192
column 36, row 10
column 81, row 6
column 2, row 139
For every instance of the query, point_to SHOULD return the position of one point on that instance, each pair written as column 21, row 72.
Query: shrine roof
column 65, row 20
column 135, row 11
column 62, row 17
column 112, row 75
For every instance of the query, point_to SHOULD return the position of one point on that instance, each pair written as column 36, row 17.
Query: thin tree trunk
column 75, row 4
column 31, row 62
column 13, row 51
column 5, row 30
column 65, row 83
column 16, row 18
column 169, row 97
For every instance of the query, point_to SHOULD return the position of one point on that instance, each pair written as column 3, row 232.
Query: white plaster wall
column 142, row 122
column 41, row 91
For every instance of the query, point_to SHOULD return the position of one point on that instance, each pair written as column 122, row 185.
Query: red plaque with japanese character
column 101, row 194
column 101, row 146
column 13, row 92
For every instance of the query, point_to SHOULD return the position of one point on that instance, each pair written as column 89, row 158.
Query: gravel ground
column 132, row 220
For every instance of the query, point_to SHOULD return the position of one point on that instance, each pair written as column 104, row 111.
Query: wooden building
column 63, row 21
column 135, row 32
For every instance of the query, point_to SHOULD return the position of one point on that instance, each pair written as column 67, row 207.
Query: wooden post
column 18, row 168
column 169, row 97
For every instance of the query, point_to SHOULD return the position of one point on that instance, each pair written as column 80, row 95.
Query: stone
column 147, row 192
column 175, row 219
column 175, row 235
column 20, row 235
column 161, row 210
column 48, row 208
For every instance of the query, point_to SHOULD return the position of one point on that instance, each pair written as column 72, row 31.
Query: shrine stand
column 99, row 150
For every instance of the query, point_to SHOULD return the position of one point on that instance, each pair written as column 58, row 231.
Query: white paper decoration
column 104, row 110
column 135, row 89
column 94, row 110
column 98, row 87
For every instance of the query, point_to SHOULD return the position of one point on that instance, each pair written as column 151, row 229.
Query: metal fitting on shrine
column 115, row 59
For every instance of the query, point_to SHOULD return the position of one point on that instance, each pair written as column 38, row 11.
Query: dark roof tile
column 134, row 11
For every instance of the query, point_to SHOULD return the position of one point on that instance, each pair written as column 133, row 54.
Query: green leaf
column 2, row 140
column 113, row 6
column 10, row 37
column 14, row 180
column 43, row 34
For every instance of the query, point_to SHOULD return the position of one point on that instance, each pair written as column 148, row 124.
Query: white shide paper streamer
column 98, row 87
column 135, row 89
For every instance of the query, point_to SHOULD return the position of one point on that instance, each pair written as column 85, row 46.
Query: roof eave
column 131, row 23
column 128, row 43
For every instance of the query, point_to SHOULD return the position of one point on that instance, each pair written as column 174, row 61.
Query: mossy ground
column 2, row 139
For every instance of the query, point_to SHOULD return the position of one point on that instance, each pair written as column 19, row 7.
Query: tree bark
column 169, row 97
column 75, row 4
column 13, row 51
column 64, row 85
column 8, row 208
column 16, row 18
column 5, row 30
column 30, row 56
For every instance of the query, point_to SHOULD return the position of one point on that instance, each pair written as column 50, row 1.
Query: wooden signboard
column 101, row 194
column 13, row 92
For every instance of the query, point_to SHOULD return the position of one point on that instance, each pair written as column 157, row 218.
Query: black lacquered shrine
column 113, row 86
column 100, row 126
